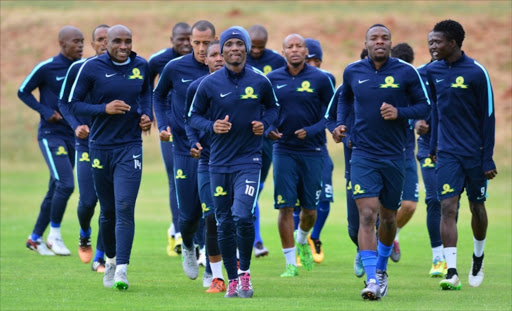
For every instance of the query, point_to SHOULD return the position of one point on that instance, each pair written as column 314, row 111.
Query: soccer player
column 383, row 93
column 55, row 138
column 180, row 40
column 175, row 79
column 87, row 200
column 410, row 194
column 200, row 148
column 314, row 58
column 119, row 94
column 241, row 103
column 264, row 60
column 463, row 126
column 303, row 92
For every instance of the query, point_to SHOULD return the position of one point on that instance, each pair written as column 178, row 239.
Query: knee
column 87, row 203
column 449, row 208
column 409, row 207
column 309, row 213
column 65, row 188
column 477, row 210
column 367, row 217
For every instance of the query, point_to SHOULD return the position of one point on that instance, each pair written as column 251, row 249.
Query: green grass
column 33, row 282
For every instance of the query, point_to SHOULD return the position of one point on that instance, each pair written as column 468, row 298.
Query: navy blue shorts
column 205, row 193
column 297, row 178
column 378, row 178
column 411, row 191
column 187, row 193
column 327, row 194
column 455, row 172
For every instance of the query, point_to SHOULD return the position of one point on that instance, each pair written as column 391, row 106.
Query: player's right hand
column 339, row 133
column 56, row 117
column 275, row 135
column 166, row 135
column 422, row 127
column 196, row 152
column 222, row 126
column 117, row 107
column 82, row 131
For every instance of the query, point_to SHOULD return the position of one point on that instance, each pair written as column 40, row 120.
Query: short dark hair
column 214, row 42
column 258, row 29
column 377, row 25
column 203, row 25
column 181, row 25
column 451, row 30
column 98, row 27
column 404, row 52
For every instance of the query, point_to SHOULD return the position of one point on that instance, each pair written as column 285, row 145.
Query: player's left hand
column 196, row 152
column 82, row 131
column 301, row 134
column 491, row 174
column 145, row 123
column 257, row 128
column 388, row 112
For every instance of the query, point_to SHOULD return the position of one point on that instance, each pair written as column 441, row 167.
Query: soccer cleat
column 56, row 244
column 445, row 268
column 98, row 266
column 476, row 274
column 189, row 262
column 202, row 257
column 358, row 266
column 85, row 249
column 290, row 271
column 260, row 250
column 120, row 280
column 39, row 246
column 207, row 279
column 232, row 289
column 395, row 251
column 371, row 290
column 244, row 287
column 306, row 258
column 217, row 286
column 451, row 283
column 316, row 249
column 177, row 245
column 108, row 278
column 382, row 277
column 437, row 270
column 171, row 244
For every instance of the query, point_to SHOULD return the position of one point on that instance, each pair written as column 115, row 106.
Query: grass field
column 31, row 282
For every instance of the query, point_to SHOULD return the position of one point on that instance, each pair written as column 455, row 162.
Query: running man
column 180, row 40
column 119, row 93
column 462, row 143
column 383, row 93
column 55, row 137
column 241, row 104
column 81, row 125
column 304, row 93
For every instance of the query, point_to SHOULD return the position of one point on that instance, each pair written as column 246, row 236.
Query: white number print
column 137, row 164
column 249, row 190
column 482, row 191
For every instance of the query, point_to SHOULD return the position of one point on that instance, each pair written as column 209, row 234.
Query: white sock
column 217, row 269
column 450, row 253
column 479, row 247
column 111, row 261
column 302, row 236
column 244, row 271
column 177, row 235
column 121, row 268
column 171, row 230
column 437, row 252
column 397, row 233
column 289, row 255
column 54, row 231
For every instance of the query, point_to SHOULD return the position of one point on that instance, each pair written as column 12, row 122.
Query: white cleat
column 476, row 274
column 189, row 262
column 56, row 244
column 39, row 246
column 207, row 279
column 108, row 278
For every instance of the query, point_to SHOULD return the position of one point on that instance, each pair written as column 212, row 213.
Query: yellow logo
column 219, row 191
column 85, row 157
column 96, row 164
column 390, row 82
column 179, row 174
column 349, row 187
column 447, row 189
column 305, row 87
column 61, row 151
column 459, row 82
column 135, row 75
column 428, row 163
column 249, row 93
column 297, row 203
column 204, row 207
column 358, row 190
column 280, row 199
column 267, row 69
column 170, row 138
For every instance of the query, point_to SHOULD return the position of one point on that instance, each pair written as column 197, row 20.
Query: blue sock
column 34, row 237
column 54, row 224
column 369, row 259
column 85, row 234
column 384, row 253
column 296, row 218
column 322, row 211
column 99, row 254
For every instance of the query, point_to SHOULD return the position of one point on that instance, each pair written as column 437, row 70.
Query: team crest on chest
column 135, row 74
column 389, row 82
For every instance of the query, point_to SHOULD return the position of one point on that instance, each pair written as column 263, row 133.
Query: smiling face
column 378, row 44
column 119, row 44
column 181, row 41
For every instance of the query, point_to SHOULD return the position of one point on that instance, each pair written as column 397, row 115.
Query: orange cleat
column 217, row 286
